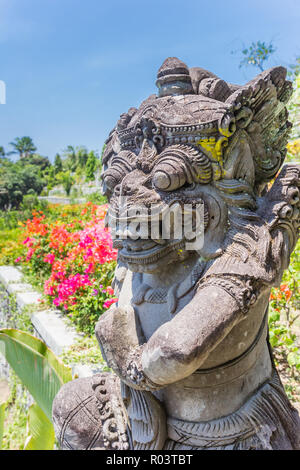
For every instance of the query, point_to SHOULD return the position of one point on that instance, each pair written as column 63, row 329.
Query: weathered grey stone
column 52, row 328
column 24, row 299
column 9, row 274
column 14, row 288
column 188, row 339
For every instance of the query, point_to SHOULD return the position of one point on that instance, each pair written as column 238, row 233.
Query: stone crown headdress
column 196, row 108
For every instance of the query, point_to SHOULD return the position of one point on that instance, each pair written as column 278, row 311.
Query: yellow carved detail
column 214, row 150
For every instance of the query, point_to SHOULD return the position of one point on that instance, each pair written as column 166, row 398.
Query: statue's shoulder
column 258, row 243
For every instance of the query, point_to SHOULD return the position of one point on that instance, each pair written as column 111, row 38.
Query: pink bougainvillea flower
column 109, row 290
column 78, row 253
column 49, row 258
column 109, row 302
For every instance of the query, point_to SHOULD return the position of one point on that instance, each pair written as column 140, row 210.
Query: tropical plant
column 294, row 69
column 35, row 159
column 43, row 374
column 58, row 166
column 70, row 161
column 91, row 166
column 23, row 146
column 16, row 180
column 68, row 252
column 82, row 156
column 4, row 396
column 67, row 180
column 41, row 434
column 257, row 54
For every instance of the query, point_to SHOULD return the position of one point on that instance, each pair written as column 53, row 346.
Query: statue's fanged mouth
column 133, row 253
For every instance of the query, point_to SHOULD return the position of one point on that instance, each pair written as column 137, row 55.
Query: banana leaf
column 40, row 429
column 39, row 369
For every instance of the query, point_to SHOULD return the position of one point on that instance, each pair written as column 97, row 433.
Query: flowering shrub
column 284, row 317
column 72, row 257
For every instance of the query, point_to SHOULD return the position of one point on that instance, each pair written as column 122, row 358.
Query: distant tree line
column 33, row 173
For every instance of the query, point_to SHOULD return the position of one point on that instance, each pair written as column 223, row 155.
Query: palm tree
column 24, row 146
column 2, row 151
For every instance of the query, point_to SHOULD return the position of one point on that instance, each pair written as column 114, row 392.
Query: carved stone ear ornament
column 263, row 114
column 120, row 165
column 283, row 203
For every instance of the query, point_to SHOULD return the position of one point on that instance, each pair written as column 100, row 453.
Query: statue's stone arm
column 168, row 356
column 180, row 346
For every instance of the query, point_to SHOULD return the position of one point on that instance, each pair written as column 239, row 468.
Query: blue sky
column 71, row 67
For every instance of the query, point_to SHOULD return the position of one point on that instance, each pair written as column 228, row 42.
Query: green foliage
column 75, row 158
column 85, row 313
column 41, row 372
column 91, row 166
column 85, row 351
column 33, row 173
column 41, row 431
column 2, row 417
column 82, row 157
column 67, row 180
column 16, row 179
column 4, row 396
column 35, row 159
column 294, row 70
column 70, row 161
column 10, row 248
column 15, row 426
column 24, row 146
column 96, row 198
column 257, row 54
column 58, row 166
column 283, row 316
column 294, row 116
column 11, row 219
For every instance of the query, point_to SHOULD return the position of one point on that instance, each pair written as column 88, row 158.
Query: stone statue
column 188, row 340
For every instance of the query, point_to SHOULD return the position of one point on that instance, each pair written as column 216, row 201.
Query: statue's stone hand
column 119, row 336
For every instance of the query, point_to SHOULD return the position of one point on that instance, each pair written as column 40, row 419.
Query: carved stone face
column 205, row 145
column 157, row 177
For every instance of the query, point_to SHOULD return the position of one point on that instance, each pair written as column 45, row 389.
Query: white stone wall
column 49, row 325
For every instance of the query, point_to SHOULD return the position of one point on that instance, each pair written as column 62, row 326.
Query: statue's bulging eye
column 181, row 165
column 169, row 176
